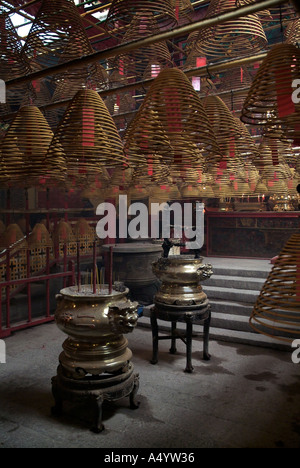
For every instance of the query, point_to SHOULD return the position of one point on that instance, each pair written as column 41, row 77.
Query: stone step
column 230, row 271
column 237, row 282
column 231, row 307
column 231, row 294
column 230, row 322
column 240, row 323
column 253, row 339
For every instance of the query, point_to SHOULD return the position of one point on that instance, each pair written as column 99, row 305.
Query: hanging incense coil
column 189, row 191
column 4, row 180
column 39, row 238
column 13, row 165
column 277, row 151
column 66, row 86
column 292, row 185
column 85, row 235
column 281, row 14
column 234, row 38
column 241, row 188
column 269, row 102
column 24, row 149
column 88, row 138
column 278, row 14
column 277, row 310
column 171, row 125
column 122, row 12
column 120, row 103
column 145, row 139
column 276, row 182
column 82, row 229
column 261, row 188
column 63, row 235
column 223, row 190
column 116, row 77
column 147, row 174
column 227, row 132
column 40, row 245
column 188, row 173
column 160, row 193
column 264, row 15
column 271, row 163
column 13, row 238
column 183, row 11
column 245, row 143
column 43, row 96
column 56, row 30
column 57, row 36
column 121, row 177
column 144, row 62
column 234, row 87
column 206, row 191
column 94, row 195
column 173, row 191
column 12, row 65
column 292, row 32
column 249, row 174
column 138, row 192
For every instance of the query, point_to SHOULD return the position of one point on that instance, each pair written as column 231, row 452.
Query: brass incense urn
column 95, row 362
column 181, row 277
column 181, row 299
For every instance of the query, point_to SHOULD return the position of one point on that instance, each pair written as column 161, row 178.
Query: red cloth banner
column 177, row 10
column 173, row 111
column 200, row 62
column 275, row 159
column 298, row 278
column 284, row 90
column 88, row 127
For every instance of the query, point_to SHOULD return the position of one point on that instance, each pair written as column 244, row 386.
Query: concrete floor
column 245, row 396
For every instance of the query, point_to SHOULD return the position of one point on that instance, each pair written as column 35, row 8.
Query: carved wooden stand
column 95, row 390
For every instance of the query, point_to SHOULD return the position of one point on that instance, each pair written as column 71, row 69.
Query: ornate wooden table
column 187, row 315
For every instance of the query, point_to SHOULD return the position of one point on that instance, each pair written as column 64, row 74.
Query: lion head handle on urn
column 205, row 271
column 123, row 317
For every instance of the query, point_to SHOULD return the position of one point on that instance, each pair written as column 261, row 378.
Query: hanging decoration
column 88, row 138
column 171, row 127
column 58, row 36
column 122, row 12
column 12, row 65
column 24, row 150
column 271, row 102
column 234, row 38
column 183, row 11
column 228, row 133
column 277, row 310
column 143, row 62
column 234, row 87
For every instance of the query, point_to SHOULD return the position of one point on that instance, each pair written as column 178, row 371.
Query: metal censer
column 181, row 298
column 95, row 363
column 181, row 276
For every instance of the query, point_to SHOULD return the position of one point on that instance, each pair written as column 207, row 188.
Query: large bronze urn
column 181, row 277
column 95, row 361
column 95, row 324
column 181, row 298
